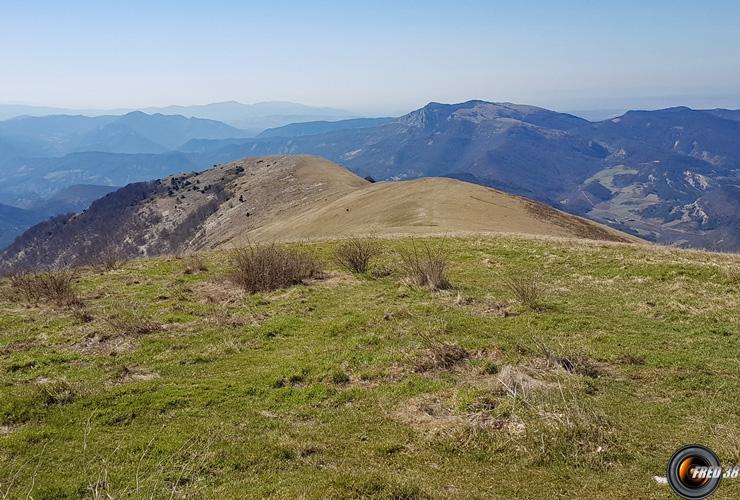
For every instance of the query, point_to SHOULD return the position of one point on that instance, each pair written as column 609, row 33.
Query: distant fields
column 171, row 382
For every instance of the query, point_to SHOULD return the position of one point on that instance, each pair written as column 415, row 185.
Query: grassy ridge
column 327, row 390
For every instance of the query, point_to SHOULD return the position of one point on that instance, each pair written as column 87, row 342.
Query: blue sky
column 373, row 57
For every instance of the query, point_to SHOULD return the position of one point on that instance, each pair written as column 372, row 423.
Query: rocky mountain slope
column 13, row 221
column 280, row 198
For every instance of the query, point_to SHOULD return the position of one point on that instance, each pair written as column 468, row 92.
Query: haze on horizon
column 374, row 58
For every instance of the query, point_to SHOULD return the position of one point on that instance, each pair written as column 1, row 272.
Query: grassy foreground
column 174, row 384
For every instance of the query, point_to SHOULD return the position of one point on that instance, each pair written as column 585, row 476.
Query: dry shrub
column 262, row 268
column 110, row 258
column 54, row 286
column 440, row 355
column 194, row 264
column 132, row 323
column 426, row 267
column 355, row 254
column 527, row 290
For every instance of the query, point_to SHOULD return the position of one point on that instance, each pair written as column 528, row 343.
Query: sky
column 372, row 57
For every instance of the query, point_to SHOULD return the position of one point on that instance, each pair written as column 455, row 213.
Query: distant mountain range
column 135, row 132
column 670, row 175
column 252, row 118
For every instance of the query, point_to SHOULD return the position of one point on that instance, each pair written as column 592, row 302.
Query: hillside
column 168, row 381
column 13, row 221
column 676, row 171
column 280, row 198
column 669, row 176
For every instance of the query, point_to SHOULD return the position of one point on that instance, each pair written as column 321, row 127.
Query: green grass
column 315, row 391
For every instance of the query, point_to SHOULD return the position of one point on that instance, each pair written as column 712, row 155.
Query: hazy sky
column 374, row 57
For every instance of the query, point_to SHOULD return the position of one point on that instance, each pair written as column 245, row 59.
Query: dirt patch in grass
column 333, row 280
column 429, row 413
column 17, row 346
column 127, row 375
column 221, row 292
column 440, row 355
column 518, row 381
column 484, row 307
column 105, row 344
column 432, row 415
column 7, row 429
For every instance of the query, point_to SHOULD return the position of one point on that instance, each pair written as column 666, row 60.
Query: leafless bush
column 54, row 286
column 260, row 268
column 355, row 254
column 426, row 267
column 527, row 290
column 110, row 258
column 194, row 264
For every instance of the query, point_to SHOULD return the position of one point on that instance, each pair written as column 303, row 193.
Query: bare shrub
column 527, row 290
column 110, row 258
column 262, row 268
column 132, row 323
column 440, row 355
column 355, row 254
column 194, row 264
column 54, row 286
column 426, row 267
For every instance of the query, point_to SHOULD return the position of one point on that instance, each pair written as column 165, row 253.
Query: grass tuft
column 132, row 323
column 426, row 267
column 527, row 291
